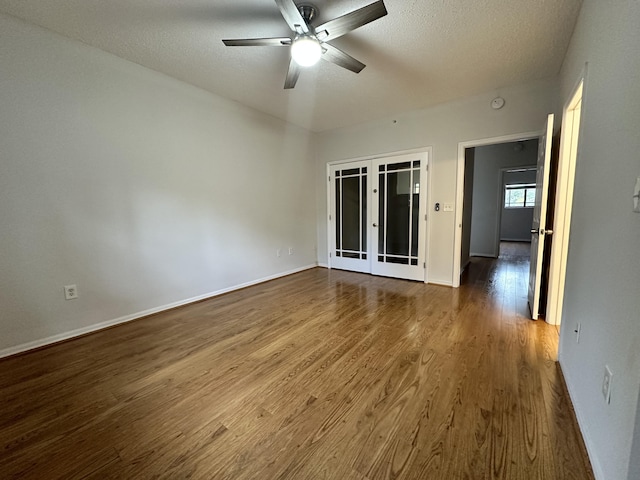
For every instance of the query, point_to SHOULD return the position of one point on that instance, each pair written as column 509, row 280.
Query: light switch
column 448, row 207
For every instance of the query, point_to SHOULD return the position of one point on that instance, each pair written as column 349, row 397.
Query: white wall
column 603, row 271
column 515, row 223
column 634, row 466
column 441, row 127
column 140, row 189
column 487, row 191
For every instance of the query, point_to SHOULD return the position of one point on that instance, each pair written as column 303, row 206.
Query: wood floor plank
column 324, row 374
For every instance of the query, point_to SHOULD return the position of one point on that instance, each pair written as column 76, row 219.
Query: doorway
column 377, row 220
column 561, row 210
column 463, row 196
column 498, row 202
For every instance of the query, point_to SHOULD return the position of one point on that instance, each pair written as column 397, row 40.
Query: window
column 520, row 195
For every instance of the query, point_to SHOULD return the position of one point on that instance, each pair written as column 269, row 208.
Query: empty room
column 243, row 239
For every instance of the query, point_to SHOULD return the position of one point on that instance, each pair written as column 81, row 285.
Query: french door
column 377, row 217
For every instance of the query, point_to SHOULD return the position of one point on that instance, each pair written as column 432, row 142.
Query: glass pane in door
column 351, row 213
column 398, row 213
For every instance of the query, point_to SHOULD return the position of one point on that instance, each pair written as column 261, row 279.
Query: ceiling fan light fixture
column 306, row 50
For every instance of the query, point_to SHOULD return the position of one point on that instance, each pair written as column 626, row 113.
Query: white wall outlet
column 606, row 384
column 448, row 207
column 278, row 252
column 577, row 332
column 290, row 250
column 70, row 292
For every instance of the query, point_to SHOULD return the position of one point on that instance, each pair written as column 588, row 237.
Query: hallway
column 506, row 277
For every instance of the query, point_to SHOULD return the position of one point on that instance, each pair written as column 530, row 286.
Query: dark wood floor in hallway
column 319, row 375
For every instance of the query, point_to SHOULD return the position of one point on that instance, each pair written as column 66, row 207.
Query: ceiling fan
column 310, row 43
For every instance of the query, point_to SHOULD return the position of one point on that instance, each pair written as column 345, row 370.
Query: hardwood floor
column 322, row 374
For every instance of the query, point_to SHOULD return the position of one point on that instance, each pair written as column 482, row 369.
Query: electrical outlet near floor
column 606, row 384
column 278, row 252
column 70, row 292
column 290, row 250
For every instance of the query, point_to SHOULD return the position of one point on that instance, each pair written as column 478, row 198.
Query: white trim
column 442, row 283
column 427, row 234
column 462, row 146
column 328, row 198
column 381, row 155
column 583, row 426
column 134, row 316
column 324, row 265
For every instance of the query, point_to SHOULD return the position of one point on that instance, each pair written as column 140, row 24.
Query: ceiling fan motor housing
column 307, row 11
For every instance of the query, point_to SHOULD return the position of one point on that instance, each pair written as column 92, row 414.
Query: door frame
column 569, row 152
column 462, row 146
column 427, row 236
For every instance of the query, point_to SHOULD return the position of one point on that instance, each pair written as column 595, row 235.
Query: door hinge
column 424, row 265
column 329, row 216
column 329, row 177
column 426, row 217
column 329, row 254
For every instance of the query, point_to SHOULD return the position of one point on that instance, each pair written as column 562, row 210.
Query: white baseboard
column 323, row 265
column 443, row 283
column 582, row 425
column 6, row 352
column 486, row 255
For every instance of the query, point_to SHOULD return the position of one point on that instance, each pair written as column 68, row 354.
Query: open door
column 538, row 228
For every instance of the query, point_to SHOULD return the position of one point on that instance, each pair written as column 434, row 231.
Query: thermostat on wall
column 497, row 103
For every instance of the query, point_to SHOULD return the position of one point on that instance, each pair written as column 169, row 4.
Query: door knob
column 375, row 224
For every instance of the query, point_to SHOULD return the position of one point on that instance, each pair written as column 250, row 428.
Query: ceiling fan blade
column 337, row 56
column 292, row 16
column 344, row 24
column 258, row 42
column 292, row 75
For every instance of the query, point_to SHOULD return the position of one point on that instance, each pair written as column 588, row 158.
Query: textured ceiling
column 422, row 53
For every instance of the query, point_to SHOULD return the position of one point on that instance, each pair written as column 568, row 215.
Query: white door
column 538, row 228
column 564, row 203
column 377, row 216
column 398, row 212
column 350, row 216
